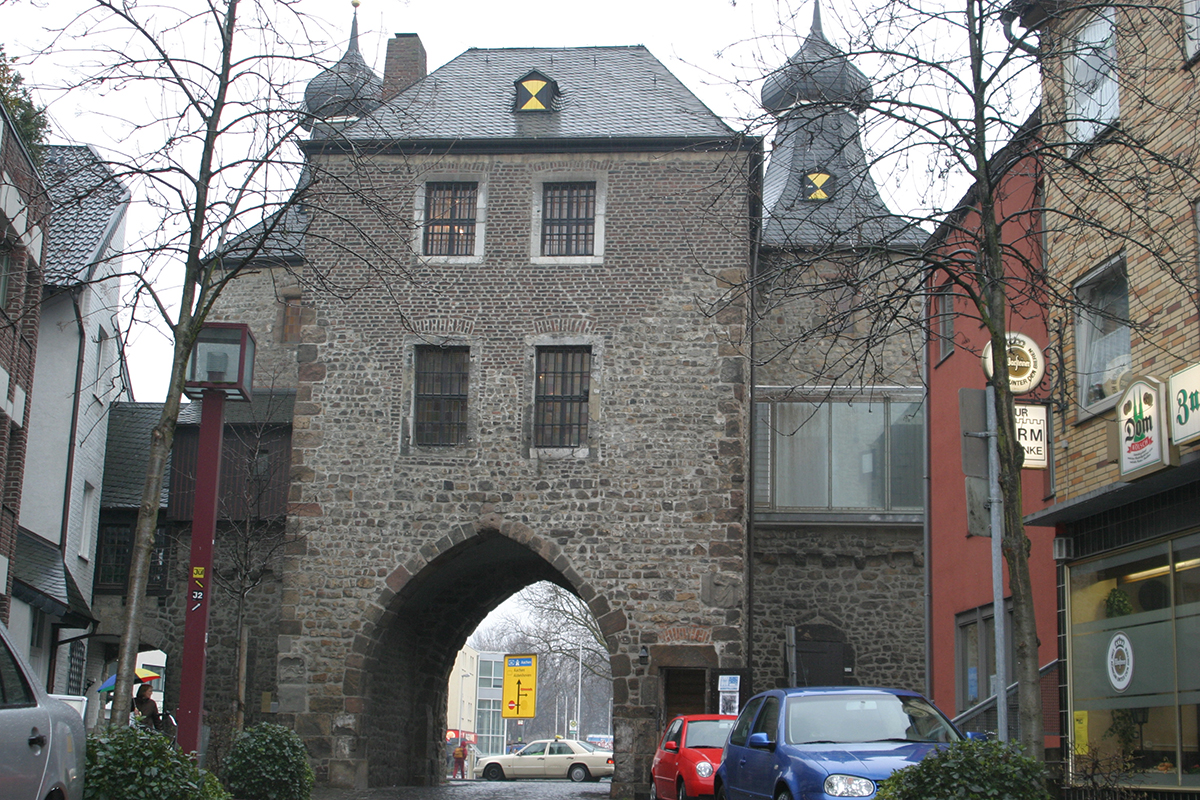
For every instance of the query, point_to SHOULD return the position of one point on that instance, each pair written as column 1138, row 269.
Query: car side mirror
column 760, row 741
column 977, row 736
column 672, row 746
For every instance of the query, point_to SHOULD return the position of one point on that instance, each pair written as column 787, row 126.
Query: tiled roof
column 89, row 202
column 129, row 427
column 607, row 93
column 41, row 579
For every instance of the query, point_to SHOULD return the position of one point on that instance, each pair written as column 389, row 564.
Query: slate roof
column 266, row 406
column 129, row 427
column 607, row 94
column 89, row 204
column 41, row 579
column 348, row 88
column 818, row 138
column 279, row 238
column 817, row 72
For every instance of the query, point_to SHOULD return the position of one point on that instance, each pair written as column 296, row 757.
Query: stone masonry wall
column 646, row 524
column 865, row 583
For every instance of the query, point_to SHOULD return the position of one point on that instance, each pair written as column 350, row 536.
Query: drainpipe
column 70, row 479
column 755, row 202
column 927, row 528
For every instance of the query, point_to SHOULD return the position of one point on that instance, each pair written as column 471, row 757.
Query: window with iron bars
column 440, row 398
column 569, row 219
column 115, row 551
column 450, row 210
column 560, row 403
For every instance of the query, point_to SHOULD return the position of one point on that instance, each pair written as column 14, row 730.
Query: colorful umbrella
column 140, row 676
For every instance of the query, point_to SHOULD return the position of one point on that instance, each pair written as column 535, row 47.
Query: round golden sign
column 1026, row 366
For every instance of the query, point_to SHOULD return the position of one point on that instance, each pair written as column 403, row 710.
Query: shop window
column 854, row 454
column 1134, row 634
column 1091, row 77
column 1102, row 336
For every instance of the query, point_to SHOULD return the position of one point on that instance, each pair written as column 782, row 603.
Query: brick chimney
column 404, row 64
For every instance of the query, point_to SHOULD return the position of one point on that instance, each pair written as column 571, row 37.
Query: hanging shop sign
column 1184, row 405
column 1033, row 433
column 1026, row 364
column 1141, row 429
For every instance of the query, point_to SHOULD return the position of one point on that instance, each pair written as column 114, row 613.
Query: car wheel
column 493, row 772
column 653, row 788
column 719, row 793
column 681, row 791
column 578, row 773
column 783, row 794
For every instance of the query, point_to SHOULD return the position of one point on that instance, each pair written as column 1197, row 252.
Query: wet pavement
column 475, row 790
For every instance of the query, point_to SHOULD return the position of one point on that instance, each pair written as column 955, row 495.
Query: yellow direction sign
column 520, row 687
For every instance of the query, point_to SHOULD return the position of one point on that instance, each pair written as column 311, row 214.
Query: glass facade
column 1134, row 658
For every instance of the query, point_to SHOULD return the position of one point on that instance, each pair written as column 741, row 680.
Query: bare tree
column 206, row 99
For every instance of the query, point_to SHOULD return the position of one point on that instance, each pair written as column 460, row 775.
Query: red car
column 688, row 755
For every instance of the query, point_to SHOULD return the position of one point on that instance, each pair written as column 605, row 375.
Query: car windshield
column 846, row 718
column 707, row 732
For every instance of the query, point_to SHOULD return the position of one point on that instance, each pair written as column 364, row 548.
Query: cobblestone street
column 475, row 790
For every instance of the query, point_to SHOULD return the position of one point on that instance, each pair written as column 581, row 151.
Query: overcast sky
column 718, row 48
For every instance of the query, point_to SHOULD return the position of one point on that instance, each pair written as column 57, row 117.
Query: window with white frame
column 1102, row 348
column 568, row 219
column 849, row 455
column 451, row 217
column 1191, row 28
column 1091, row 77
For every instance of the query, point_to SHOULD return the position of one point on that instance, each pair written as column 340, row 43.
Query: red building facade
column 961, row 616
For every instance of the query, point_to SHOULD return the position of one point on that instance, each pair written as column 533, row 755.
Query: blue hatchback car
column 826, row 742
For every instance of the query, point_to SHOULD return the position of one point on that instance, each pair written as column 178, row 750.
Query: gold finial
column 356, row 3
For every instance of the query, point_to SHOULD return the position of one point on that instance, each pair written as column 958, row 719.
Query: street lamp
column 221, row 366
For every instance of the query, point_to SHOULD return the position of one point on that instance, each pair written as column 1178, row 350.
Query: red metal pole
column 199, row 587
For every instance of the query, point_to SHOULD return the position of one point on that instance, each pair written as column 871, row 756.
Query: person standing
column 460, row 755
column 146, row 709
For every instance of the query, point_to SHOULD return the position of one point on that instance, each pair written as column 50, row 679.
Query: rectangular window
column 1134, row 628
column 88, row 521
column 1191, row 28
column 291, row 320
column 976, row 655
column 1102, row 334
column 450, row 210
column 845, row 456
column 440, row 399
column 943, row 309
column 114, row 552
column 569, row 219
column 5, row 268
column 1091, row 77
column 560, row 403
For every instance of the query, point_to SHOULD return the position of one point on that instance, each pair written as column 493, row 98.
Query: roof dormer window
column 536, row 92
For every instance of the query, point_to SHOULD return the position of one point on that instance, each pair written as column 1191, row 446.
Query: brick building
column 24, row 207
column 1121, row 107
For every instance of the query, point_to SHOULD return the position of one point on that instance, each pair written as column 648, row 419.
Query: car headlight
column 848, row 786
column 704, row 769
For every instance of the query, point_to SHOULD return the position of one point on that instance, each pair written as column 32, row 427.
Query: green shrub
column 268, row 762
column 969, row 770
column 134, row 763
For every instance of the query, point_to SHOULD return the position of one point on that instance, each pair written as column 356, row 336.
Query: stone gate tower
column 538, row 375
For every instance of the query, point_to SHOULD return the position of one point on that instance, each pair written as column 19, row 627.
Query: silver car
column 42, row 743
